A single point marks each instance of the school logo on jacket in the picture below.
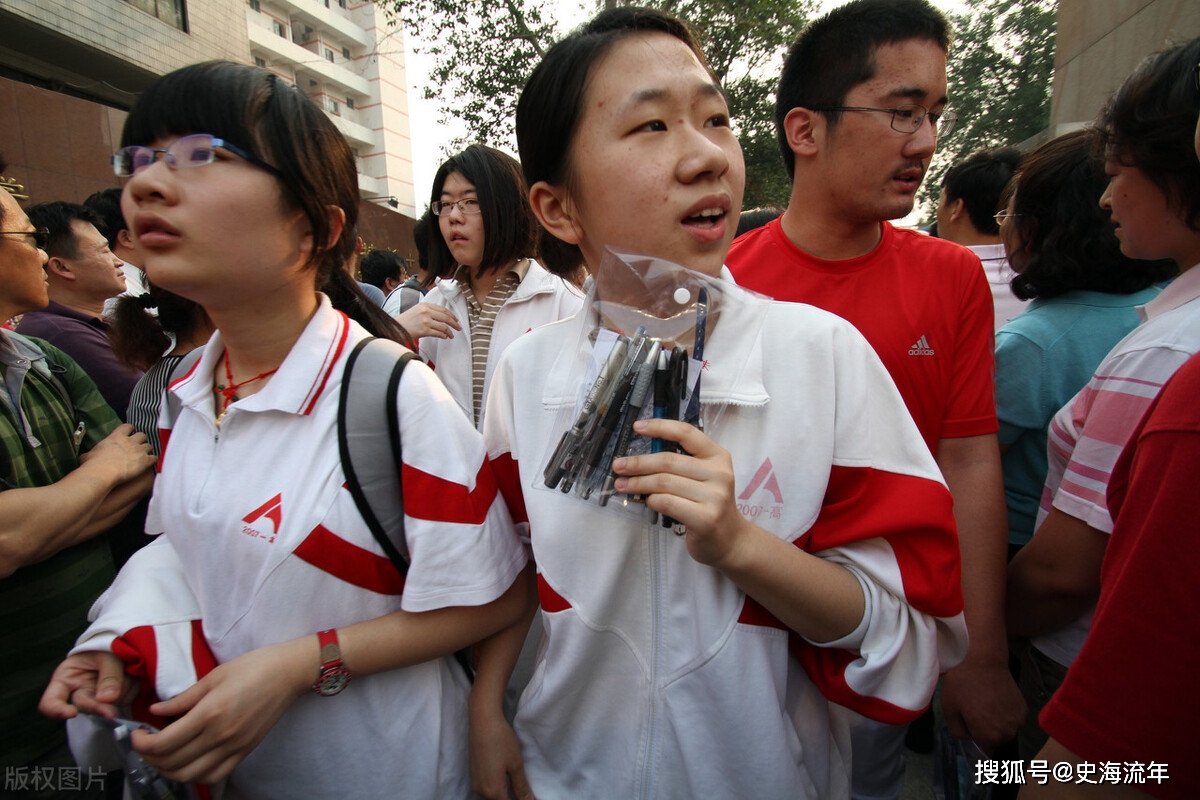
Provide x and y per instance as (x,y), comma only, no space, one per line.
(256,521)
(764,481)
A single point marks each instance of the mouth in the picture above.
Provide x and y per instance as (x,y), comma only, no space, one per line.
(153,232)
(910,177)
(706,219)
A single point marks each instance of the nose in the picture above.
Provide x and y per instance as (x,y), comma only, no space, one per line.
(1106,197)
(702,155)
(924,140)
(149,181)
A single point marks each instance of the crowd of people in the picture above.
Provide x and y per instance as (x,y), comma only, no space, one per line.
(903,463)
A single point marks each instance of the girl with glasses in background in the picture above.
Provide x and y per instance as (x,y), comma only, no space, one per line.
(489,290)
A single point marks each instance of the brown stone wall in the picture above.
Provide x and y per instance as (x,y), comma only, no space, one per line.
(59,147)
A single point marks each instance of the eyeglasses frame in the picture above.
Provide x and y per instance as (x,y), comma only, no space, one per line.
(41,236)
(946,116)
(437,206)
(170,159)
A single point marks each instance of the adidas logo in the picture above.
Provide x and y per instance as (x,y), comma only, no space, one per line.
(921,348)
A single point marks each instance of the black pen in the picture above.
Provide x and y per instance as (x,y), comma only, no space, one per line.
(679,373)
(568,447)
(662,385)
(633,409)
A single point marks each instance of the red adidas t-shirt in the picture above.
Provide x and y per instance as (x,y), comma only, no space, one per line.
(923,304)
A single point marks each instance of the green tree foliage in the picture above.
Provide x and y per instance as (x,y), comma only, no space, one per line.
(482,51)
(1001,62)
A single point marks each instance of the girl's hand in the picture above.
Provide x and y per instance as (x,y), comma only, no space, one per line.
(694,487)
(228,712)
(496,765)
(429,319)
(93,682)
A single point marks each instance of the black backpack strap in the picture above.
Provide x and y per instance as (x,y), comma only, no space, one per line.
(181,369)
(369,441)
(370,448)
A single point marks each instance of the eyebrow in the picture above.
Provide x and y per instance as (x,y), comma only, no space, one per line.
(644,96)
(915,94)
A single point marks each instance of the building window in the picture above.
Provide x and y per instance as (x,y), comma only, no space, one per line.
(277,26)
(259,61)
(342,3)
(333,107)
(328,55)
(349,102)
(172,12)
(346,53)
(255,5)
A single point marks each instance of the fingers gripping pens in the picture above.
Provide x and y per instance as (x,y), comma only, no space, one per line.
(638,377)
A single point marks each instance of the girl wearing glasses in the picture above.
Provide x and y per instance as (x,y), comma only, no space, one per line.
(715,663)
(265,591)
(489,289)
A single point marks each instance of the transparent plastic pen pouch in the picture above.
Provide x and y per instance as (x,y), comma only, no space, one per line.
(655,331)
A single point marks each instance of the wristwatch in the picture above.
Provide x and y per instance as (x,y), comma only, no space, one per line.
(334,674)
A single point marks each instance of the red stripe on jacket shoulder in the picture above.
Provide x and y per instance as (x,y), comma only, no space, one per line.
(916,518)
(436,499)
(330,553)
(508,478)
(827,669)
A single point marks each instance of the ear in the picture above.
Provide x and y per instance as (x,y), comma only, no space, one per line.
(58,268)
(337,223)
(804,129)
(553,208)
(125,238)
(957,209)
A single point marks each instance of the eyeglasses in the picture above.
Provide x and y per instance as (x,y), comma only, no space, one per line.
(40,236)
(468,205)
(907,118)
(193,150)
(1003,215)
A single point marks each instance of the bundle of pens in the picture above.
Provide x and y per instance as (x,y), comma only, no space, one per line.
(639,377)
(647,349)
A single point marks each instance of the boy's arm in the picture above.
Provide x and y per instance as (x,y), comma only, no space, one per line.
(979,697)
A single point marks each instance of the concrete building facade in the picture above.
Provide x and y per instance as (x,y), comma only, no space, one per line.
(69,70)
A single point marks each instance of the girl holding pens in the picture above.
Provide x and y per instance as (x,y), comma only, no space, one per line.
(818,566)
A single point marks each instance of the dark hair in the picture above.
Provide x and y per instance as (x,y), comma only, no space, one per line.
(379,265)
(753,218)
(106,204)
(1150,124)
(509,226)
(978,180)
(1069,238)
(421,232)
(139,338)
(275,122)
(57,216)
(836,52)
(551,104)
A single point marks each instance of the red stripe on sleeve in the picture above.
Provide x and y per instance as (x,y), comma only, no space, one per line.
(436,499)
(164,435)
(330,553)
(202,656)
(827,669)
(138,648)
(914,515)
(508,478)
(754,614)
(550,600)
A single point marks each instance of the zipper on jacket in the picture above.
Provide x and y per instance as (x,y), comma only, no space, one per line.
(648,772)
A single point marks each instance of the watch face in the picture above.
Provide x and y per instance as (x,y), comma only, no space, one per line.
(332,681)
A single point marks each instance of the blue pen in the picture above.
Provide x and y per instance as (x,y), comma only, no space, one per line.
(662,385)
(692,415)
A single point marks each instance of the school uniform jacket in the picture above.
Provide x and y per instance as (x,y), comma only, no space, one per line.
(261,543)
(540,298)
(657,676)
